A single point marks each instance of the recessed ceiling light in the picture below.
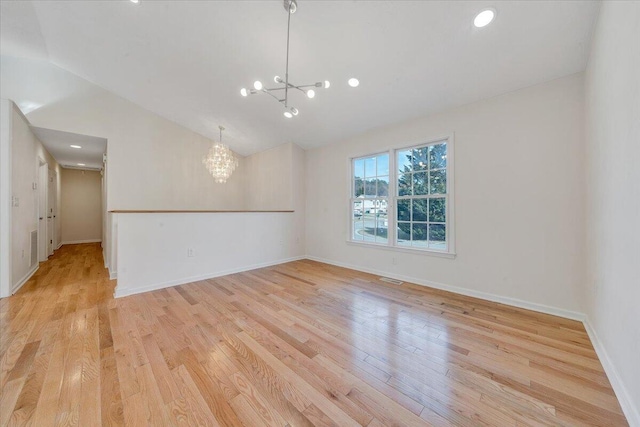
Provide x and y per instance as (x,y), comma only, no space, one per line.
(81,164)
(135,1)
(75,146)
(353,82)
(288,114)
(484,18)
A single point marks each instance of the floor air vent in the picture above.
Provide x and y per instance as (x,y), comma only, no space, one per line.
(34,248)
(390,280)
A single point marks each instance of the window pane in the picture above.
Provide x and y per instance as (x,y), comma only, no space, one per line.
(357,209)
(438,182)
(404,161)
(404,184)
(383,164)
(404,212)
(404,233)
(370,188)
(420,159)
(437,236)
(358,189)
(369,222)
(357,230)
(370,167)
(438,156)
(419,235)
(437,210)
(381,228)
(382,209)
(358,168)
(383,186)
(419,183)
(420,210)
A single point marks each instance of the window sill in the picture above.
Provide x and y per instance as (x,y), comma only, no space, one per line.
(439,254)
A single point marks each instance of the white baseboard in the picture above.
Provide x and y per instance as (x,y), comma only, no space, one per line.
(126,292)
(628,407)
(77,242)
(573,315)
(59,246)
(25,279)
(112,274)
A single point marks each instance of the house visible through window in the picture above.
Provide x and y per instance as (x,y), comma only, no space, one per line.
(409,207)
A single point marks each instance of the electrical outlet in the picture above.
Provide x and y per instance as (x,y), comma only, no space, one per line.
(23,253)
(191,252)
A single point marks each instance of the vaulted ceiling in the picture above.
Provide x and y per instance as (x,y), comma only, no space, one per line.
(187,60)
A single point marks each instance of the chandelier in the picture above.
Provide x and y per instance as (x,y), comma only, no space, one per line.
(284,84)
(220,162)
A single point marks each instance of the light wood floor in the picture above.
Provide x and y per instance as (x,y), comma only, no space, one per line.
(297,344)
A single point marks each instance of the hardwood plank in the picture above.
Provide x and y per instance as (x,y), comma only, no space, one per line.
(256,401)
(190,408)
(111,407)
(209,390)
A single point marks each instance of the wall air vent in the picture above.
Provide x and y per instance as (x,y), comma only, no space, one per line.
(390,280)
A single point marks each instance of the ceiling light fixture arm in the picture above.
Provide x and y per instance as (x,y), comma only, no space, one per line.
(286,72)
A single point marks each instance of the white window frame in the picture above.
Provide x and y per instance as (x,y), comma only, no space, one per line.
(392,199)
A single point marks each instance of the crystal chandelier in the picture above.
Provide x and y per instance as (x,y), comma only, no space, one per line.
(220,162)
(284,84)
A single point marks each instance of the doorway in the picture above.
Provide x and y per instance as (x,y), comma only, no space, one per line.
(51,211)
(43,203)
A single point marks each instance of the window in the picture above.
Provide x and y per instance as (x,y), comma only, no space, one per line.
(411,207)
(370,198)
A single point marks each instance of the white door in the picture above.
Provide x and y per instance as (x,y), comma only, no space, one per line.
(43,189)
(57,230)
(50,200)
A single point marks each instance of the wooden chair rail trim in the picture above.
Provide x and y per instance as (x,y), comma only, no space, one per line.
(195,211)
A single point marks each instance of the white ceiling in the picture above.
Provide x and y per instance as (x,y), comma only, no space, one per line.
(58,144)
(187,60)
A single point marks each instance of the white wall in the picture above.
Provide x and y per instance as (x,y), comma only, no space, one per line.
(81,206)
(5,197)
(152,248)
(519,196)
(26,149)
(268,179)
(299,195)
(612,85)
(275,180)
